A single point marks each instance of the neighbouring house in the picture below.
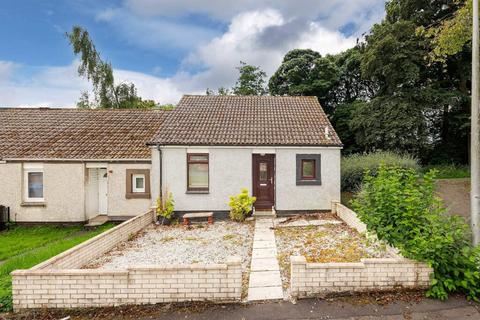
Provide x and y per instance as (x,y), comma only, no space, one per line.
(283,149)
(70,165)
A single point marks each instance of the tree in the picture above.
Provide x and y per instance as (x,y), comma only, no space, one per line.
(222,91)
(304,72)
(450,36)
(107,94)
(251,81)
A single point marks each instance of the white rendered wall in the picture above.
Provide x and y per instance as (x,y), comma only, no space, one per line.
(63,193)
(230,169)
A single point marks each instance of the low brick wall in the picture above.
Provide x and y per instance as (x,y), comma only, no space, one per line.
(59,283)
(307,279)
(136,285)
(83,253)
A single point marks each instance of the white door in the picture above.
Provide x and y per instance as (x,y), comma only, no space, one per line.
(102,191)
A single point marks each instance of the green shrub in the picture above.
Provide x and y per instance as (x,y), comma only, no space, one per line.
(449,171)
(401,207)
(165,206)
(354,166)
(241,205)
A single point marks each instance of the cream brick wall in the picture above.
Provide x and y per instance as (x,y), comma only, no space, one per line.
(136,285)
(369,274)
(59,283)
(83,253)
(308,279)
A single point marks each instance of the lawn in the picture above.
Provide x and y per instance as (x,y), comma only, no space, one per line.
(24,247)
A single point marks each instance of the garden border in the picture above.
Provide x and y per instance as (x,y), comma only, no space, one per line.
(308,279)
(60,283)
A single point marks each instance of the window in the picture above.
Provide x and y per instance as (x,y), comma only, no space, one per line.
(137,184)
(308,169)
(197,172)
(33,182)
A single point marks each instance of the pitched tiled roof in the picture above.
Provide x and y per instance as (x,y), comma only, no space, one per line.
(77,133)
(247,120)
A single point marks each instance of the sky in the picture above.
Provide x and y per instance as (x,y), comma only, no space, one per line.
(165,47)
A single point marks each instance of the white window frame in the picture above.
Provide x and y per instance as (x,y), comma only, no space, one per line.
(134,183)
(33,168)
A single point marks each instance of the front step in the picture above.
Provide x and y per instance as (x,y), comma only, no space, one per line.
(264,213)
(97,221)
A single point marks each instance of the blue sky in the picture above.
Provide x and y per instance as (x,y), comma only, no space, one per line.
(165,47)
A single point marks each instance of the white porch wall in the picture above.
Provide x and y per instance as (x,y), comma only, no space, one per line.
(230,169)
(118,204)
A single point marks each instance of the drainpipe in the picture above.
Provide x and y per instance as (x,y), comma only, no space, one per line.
(160,167)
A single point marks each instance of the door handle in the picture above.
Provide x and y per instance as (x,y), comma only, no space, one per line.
(271,180)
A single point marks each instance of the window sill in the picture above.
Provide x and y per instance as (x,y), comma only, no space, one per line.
(33,204)
(309,183)
(197,192)
(137,196)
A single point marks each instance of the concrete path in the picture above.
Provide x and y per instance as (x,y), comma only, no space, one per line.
(265,282)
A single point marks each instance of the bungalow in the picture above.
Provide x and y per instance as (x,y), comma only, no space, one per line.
(283,149)
(70,165)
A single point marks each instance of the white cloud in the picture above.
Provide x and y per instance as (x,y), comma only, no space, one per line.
(259,37)
(333,13)
(6,69)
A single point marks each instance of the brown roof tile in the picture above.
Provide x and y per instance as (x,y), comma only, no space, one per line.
(39,133)
(247,120)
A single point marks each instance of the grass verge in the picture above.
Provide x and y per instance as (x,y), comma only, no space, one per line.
(38,254)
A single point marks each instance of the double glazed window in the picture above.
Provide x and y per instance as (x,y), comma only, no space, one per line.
(197,172)
(33,183)
(308,169)
(137,184)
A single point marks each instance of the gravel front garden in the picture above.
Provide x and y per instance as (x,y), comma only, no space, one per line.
(322,238)
(201,243)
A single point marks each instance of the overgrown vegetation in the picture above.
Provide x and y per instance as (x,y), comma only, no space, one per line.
(401,207)
(449,171)
(354,166)
(241,205)
(165,206)
(40,244)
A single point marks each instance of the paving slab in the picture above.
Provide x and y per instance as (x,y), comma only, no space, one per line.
(265,282)
(263,236)
(265,279)
(264,253)
(263,244)
(264,264)
(265,293)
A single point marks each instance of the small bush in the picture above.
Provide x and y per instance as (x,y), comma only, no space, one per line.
(165,206)
(354,166)
(241,205)
(401,207)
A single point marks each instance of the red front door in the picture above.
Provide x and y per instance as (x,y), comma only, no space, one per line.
(264,180)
